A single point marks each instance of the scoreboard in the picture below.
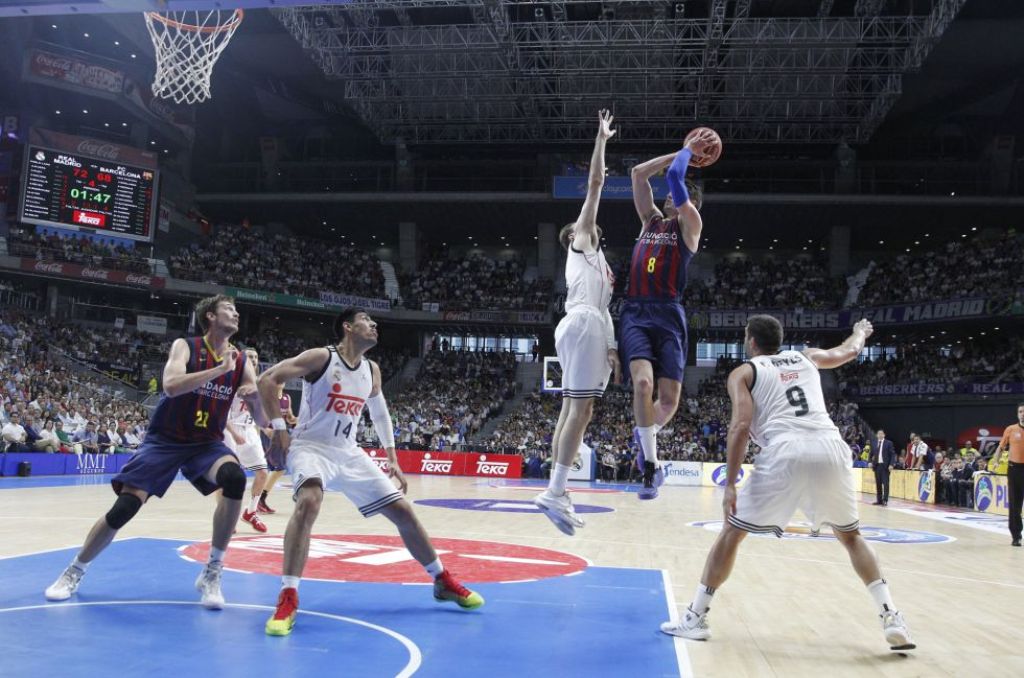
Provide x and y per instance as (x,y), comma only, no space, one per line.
(70,190)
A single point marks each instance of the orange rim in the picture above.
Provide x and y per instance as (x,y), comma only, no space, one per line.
(231,23)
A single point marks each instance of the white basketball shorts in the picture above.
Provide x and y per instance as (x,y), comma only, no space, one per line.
(582,350)
(348,470)
(250,453)
(812,474)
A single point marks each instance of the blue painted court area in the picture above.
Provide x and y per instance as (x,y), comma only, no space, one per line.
(17,483)
(136,613)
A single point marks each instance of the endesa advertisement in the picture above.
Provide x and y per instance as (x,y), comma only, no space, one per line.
(452,463)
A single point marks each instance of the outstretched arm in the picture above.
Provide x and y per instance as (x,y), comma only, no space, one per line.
(840,355)
(585,230)
(384,427)
(643,196)
(269,382)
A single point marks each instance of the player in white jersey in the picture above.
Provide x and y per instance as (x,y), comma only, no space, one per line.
(777,401)
(338,383)
(584,339)
(242,437)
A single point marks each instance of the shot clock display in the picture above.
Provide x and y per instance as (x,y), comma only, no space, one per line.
(69,190)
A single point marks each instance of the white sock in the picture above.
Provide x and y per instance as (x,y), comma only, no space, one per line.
(879,590)
(290,582)
(76,563)
(434,569)
(649,443)
(216,555)
(657,428)
(702,599)
(253,503)
(559,477)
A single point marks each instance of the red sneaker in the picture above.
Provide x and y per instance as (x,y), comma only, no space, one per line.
(448,589)
(253,519)
(284,616)
(262,507)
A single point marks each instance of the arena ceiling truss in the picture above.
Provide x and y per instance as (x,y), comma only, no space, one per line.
(499,71)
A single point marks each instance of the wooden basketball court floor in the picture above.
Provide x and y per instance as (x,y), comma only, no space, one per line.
(793,606)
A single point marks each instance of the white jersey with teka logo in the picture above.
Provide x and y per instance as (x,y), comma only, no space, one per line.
(787,399)
(333,402)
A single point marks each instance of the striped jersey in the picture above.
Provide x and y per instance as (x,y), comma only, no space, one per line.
(199,416)
(333,403)
(660,259)
(787,398)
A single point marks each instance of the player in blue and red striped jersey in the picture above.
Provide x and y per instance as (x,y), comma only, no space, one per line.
(201,378)
(652,327)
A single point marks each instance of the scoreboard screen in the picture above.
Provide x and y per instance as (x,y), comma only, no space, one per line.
(70,190)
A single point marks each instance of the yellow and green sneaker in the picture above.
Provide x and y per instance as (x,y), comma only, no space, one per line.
(448,589)
(284,616)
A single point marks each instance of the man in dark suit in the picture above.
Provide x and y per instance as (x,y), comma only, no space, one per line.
(883,458)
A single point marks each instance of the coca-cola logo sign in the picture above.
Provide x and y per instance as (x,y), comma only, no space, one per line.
(97,273)
(137,279)
(45,267)
(97,149)
(48,60)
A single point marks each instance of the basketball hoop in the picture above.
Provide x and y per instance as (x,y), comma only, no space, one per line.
(187,45)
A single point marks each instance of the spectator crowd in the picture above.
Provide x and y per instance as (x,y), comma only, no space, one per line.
(241,256)
(81,249)
(475,282)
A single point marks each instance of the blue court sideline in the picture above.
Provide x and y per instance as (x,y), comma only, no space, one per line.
(137,613)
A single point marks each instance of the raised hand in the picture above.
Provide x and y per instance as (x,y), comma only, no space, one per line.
(701,143)
(864,327)
(604,125)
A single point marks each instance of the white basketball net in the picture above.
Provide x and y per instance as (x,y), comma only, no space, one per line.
(187,45)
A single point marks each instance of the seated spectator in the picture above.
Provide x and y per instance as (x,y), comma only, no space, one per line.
(15,438)
(88,439)
(48,440)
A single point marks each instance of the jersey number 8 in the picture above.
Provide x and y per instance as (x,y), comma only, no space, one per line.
(651,264)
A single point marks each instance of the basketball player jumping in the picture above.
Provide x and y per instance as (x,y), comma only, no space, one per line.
(243,437)
(584,339)
(201,378)
(652,327)
(777,401)
(338,382)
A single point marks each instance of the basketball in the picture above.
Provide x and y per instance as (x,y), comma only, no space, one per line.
(714,151)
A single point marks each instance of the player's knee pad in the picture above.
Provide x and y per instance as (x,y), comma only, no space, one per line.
(231,479)
(124,509)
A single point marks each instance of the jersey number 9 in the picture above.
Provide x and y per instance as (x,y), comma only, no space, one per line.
(798,399)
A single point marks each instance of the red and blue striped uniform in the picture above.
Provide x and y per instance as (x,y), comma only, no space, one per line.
(199,416)
(660,259)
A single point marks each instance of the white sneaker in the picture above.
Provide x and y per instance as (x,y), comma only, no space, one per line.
(208,583)
(66,584)
(559,510)
(897,634)
(692,626)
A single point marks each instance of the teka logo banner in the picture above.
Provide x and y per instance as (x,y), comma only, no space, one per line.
(491,468)
(382,464)
(436,466)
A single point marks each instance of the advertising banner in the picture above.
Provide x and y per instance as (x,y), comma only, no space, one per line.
(452,463)
(343,300)
(153,324)
(615,188)
(69,270)
(688,473)
(714,475)
(583,464)
(991,494)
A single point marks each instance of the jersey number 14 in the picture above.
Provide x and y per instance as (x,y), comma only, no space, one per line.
(348,429)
